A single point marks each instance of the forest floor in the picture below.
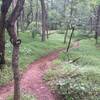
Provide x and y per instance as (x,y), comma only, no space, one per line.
(32,81)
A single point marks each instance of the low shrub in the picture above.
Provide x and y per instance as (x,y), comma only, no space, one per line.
(74,89)
(24,96)
(68,81)
(35,32)
(61,32)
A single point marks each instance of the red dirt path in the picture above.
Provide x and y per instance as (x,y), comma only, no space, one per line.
(31,80)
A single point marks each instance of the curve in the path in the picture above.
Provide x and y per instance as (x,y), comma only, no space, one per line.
(32,79)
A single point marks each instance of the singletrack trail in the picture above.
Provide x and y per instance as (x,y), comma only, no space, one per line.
(32,79)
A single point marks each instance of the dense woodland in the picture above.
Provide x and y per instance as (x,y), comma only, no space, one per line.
(60,39)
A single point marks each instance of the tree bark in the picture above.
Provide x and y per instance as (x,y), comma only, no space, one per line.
(16,73)
(4,9)
(65,37)
(2,40)
(43,20)
(70,39)
(67,24)
(97,24)
(16,44)
(46,18)
(37,11)
(14,5)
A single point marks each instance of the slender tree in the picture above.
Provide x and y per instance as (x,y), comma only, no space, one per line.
(68,24)
(97,24)
(70,40)
(37,11)
(43,20)
(46,18)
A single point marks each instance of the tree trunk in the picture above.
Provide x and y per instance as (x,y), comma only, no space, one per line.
(46,18)
(70,19)
(70,39)
(16,73)
(2,40)
(43,20)
(97,24)
(22,20)
(37,10)
(65,37)
(16,44)
(13,6)
(4,9)
(91,25)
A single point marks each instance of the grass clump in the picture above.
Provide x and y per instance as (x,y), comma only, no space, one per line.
(24,96)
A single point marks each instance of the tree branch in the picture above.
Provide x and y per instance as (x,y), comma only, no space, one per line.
(11,22)
(5,6)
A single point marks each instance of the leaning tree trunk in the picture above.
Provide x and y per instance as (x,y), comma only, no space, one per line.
(66,33)
(16,44)
(70,39)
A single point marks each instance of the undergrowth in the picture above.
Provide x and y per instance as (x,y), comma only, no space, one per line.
(30,50)
(24,96)
(79,80)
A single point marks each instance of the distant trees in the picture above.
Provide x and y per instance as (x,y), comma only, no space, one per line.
(29,16)
(94,22)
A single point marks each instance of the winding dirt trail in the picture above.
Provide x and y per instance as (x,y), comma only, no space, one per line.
(31,80)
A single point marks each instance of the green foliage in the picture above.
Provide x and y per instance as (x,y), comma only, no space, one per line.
(86,57)
(30,50)
(72,83)
(24,96)
(32,26)
(56,62)
(5,75)
(74,89)
(35,32)
(61,32)
(95,2)
(80,80)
